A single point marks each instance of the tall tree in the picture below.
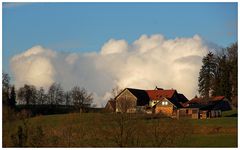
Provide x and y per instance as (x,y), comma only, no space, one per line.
(55,94)
(232,53)
(222,83)
(81,98)
(206,75)
(5,88)
(12,98)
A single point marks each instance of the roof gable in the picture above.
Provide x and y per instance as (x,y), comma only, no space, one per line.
(140,95)
(164,99)
(125,90)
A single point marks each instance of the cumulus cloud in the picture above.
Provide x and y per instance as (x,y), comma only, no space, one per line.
(34,66)
(114,47)
(147,62)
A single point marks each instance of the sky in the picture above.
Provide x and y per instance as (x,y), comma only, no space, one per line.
(86,26)
(86,30)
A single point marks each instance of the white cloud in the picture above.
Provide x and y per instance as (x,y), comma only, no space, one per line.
(34,66)
(148,62)
(114,47)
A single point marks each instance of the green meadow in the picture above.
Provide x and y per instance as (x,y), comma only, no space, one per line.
(116,130)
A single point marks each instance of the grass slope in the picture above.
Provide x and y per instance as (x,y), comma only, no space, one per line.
(101,130)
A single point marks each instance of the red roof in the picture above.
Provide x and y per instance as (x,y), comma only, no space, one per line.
(195,100)
(156,94)
(217,98)
(201,100)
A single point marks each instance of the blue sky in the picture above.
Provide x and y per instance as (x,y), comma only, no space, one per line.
(85,27)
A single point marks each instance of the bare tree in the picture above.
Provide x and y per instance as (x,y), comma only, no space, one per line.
(67,97)
(41,96)
(27,94)
(115,92)
(55,94)
(81,98)
(125,133)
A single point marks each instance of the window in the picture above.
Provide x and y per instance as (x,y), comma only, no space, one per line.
(165,103)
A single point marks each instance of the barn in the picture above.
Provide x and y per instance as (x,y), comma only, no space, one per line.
(129,99)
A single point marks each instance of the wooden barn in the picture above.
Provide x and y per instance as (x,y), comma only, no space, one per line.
(129,99)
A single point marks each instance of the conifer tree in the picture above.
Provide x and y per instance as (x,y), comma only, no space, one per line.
(206,75)
(12,98)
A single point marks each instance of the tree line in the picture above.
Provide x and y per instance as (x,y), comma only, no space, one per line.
(28,95)
(218,74)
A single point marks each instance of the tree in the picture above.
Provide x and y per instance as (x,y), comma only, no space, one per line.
(115,92)
(27,94)
(5,80)
(5,88)
(222,83)
(218,75)
(41,96)
(67,96)
(12,98)
(55,94)
(206,75)
(232,53)
(81,98)
(125,131)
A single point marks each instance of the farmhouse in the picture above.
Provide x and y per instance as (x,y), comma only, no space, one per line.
(167,102)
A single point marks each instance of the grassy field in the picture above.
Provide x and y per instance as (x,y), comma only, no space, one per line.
(112,130)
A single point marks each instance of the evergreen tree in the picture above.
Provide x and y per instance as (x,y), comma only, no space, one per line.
(12,98)
(232,53)
(218,75)
(5,88)
(206,75)
(222,83)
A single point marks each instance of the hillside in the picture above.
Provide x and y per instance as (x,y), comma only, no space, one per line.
(114,130)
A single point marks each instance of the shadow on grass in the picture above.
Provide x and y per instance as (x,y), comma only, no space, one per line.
(232,115)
